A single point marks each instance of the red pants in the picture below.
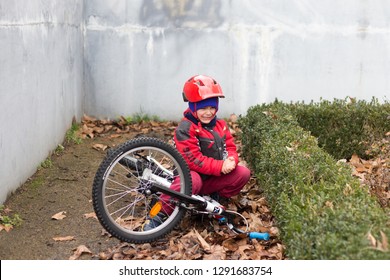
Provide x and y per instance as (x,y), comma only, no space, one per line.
(227,185)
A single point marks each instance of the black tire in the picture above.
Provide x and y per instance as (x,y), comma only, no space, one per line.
(121,199)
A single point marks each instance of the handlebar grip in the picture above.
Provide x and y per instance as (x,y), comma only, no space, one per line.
(259,235)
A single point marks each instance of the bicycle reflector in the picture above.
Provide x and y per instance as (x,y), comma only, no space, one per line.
(155,209)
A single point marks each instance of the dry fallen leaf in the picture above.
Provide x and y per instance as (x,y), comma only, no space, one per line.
(274,231)
(290,149)
(87,118)
(203,242)
(355,160)
(90,215)
(217,253)
(385,243)
(233,118)
(115,136)
(59,216)
(64,238)
(87,131)
(372,239)
(242,251)
(7,228)
(100,147)
(79,251)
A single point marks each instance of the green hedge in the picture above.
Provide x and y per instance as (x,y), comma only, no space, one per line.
(321,210)
(344,127)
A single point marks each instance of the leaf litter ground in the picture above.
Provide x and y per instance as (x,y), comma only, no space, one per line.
(59,223)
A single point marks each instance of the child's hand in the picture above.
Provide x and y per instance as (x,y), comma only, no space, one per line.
(228,165)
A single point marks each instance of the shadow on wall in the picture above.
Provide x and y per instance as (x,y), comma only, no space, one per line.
(181,13)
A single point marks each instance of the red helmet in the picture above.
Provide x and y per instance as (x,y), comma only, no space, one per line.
(201,87)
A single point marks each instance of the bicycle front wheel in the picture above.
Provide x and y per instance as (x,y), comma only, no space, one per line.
(123,196)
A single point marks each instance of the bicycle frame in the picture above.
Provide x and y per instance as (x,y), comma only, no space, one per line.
(162,185)
(209,207)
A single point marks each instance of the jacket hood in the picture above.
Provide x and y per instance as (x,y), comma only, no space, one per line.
(188,114)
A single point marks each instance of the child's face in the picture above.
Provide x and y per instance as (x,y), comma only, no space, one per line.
(206,114)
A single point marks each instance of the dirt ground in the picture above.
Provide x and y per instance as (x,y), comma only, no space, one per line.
(65,186)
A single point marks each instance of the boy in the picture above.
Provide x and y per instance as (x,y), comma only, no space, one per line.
(207,146)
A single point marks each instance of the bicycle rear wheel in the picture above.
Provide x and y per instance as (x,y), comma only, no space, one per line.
(123,196)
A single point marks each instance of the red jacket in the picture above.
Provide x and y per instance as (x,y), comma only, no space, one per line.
(204,147)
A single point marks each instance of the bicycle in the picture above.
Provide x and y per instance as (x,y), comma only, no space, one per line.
(128,185)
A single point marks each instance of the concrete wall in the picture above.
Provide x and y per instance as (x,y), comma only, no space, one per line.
(41,82)
(139,53)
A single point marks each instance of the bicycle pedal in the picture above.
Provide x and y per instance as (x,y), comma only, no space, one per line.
(155,209)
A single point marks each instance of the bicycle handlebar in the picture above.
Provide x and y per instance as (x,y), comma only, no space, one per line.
(259,235)
(251,235)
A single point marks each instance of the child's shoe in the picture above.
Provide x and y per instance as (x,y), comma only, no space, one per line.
(154,222)
(221,199)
